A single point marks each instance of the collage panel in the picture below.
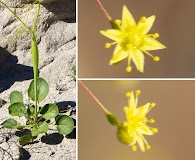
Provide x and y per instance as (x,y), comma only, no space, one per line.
(38,80)
(174,24)
(160,118)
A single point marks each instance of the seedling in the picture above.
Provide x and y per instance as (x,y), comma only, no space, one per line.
(37,117)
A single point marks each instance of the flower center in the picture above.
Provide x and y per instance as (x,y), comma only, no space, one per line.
(134,40)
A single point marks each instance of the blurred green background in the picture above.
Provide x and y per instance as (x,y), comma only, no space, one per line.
(174,22)
(174,115)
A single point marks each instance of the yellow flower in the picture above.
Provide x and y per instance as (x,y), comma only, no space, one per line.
(132,40)
(133,130)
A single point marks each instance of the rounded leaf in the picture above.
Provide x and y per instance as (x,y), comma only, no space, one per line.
(42,127)
(49,111)
(17,109)
(10,123)
(65,124)
(26,139)
(15,97)
(42,89)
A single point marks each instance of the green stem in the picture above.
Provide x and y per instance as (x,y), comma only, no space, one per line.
(15,15)
(35,60)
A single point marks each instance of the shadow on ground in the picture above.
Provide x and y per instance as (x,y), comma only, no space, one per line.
(65,106)
(25,155)
(64,10)
(10,71)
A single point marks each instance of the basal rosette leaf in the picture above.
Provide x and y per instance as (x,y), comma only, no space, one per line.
(26,139)
(65,124)
(17,109)
(42,127)
(10,123)
(15,97)
(49,111)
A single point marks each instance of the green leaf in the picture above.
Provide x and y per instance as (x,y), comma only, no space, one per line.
(15,97)
(65,124)
(42,89)
(49,111)
(17,109)
(10,123)
(31,111)
(42,127)
(26,139)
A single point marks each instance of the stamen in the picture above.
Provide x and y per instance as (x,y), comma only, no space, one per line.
(156,58)
(155,36)
(148,147)
(138,92)
(155,130)
(149,54)
(134,148)
(108,45)
(128,69)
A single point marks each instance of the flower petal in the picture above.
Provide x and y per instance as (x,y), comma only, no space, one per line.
(140,141)
(138,59)
(144,27)
(144,129)
(127,18)
(151,44)
(143,110)
(132,101)
(118,55)
(113,34)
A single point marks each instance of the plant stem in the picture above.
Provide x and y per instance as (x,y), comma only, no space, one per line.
(92,95)
(35,60)
(15,15)
(103,10)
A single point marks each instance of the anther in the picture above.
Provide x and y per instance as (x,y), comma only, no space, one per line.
(155,36)
(152,104)
(138,92)
(107,45)
(128,94)
(128,69)
(143,19)
(134,148)
(156,58)
(148,147)
(151,120)
(154,130)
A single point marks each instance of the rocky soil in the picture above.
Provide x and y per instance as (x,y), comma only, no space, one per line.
(56,34)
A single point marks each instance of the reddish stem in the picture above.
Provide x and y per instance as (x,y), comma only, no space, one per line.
(92,95)
(103,10)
